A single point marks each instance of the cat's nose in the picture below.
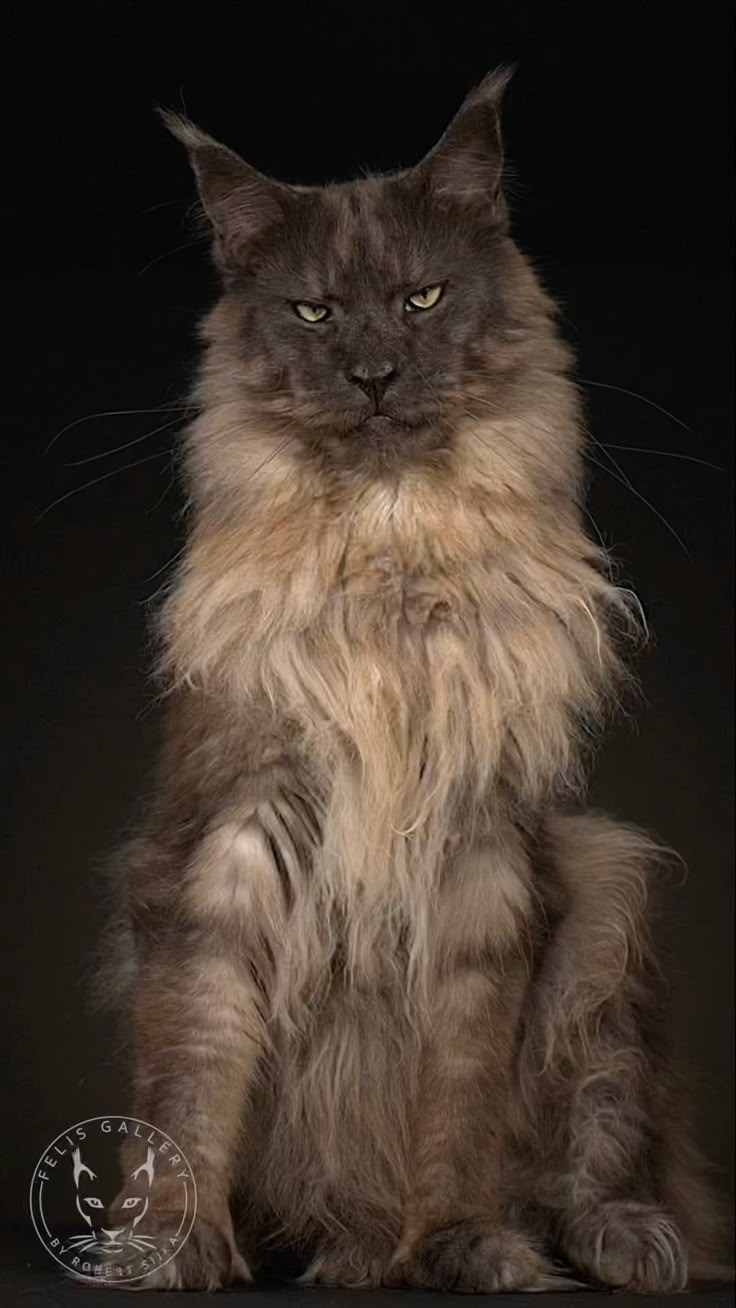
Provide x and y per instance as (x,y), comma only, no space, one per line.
(372,378)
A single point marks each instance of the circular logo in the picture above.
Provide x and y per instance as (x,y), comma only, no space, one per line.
(91,1199)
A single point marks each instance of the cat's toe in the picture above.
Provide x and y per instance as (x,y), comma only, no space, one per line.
(477,1257)
(629,1245)
(347,1262)
(206,1261)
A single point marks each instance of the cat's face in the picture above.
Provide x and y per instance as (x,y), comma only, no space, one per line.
(360,315)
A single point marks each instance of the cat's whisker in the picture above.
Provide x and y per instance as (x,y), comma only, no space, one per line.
(664,454)
(169,486)
(476,432)
(624,481)
(623,390)
(290,439)
(187,245)
(619,475)
(164,568)
(606,548)
(104,454)
(503,434)
(77,490)
(117,413)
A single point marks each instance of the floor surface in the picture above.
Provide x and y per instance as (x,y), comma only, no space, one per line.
(29,1279)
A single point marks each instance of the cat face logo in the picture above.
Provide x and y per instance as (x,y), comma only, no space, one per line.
(92,1199)
(93,1208)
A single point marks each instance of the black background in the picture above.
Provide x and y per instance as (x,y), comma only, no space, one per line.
(618,129)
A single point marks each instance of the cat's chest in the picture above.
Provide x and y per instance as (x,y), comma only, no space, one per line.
(391,651)
(383,591)
(399,564)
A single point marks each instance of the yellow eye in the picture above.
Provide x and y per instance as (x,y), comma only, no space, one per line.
(311,312)
(426,298)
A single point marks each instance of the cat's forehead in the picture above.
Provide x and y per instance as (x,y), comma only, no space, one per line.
(369,219)
(373,231)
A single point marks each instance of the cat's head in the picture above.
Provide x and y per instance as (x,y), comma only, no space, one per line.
(365,321)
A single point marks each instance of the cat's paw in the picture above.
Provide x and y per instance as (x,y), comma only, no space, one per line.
(628,1245)
(349,1263)
(208,1260)
(476,1257)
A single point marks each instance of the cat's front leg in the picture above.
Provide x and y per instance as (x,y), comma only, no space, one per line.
(454,1235)
(199,1014)
(198,1036)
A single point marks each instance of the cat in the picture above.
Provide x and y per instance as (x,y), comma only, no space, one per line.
(391,991)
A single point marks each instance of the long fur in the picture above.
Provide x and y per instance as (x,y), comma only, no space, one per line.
(402,1007)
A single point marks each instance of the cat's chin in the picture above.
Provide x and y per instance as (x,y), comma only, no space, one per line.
(377,442)
(385,428)
(383,425)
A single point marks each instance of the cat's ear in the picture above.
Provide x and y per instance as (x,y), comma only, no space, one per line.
(239,202)
(466,164)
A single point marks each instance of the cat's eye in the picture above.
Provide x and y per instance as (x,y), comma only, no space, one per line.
(94,1203)
(132,1202)
(426,298)
(311,312)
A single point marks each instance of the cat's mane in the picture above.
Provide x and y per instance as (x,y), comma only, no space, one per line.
(436,638)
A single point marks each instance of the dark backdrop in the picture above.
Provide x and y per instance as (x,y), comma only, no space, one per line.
(618,130)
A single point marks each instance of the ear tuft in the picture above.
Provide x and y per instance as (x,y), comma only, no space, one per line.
(492,88)
(185,131)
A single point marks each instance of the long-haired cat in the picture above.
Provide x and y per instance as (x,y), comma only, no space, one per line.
(397,1006)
